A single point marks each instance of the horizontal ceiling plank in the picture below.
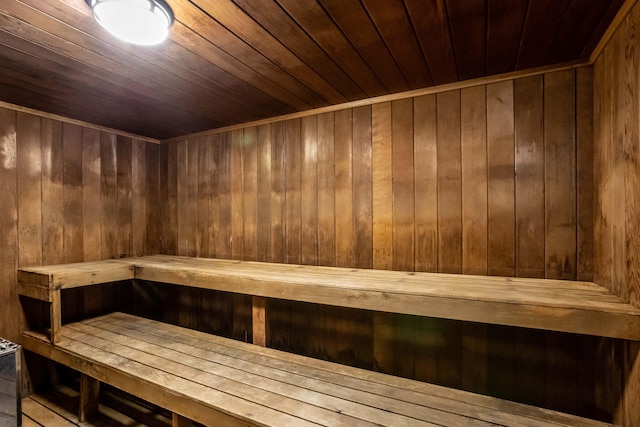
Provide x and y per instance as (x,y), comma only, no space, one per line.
(321,28)
(431,23)
(217,40)
(504,32)
(468,21)
(355,23)
(391,20)
(540,27)
(243,26)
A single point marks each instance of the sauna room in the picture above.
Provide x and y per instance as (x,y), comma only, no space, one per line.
(319,213)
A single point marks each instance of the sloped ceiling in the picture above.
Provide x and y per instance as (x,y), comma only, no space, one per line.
(229,62)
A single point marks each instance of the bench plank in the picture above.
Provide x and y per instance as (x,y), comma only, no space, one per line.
(559,305)
(170,365)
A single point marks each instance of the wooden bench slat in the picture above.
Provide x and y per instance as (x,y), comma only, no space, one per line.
(219,375)
(465,403)
(299,385)
(255,382)
(566,306)
(169,391)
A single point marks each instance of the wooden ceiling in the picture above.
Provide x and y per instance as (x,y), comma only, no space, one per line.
(233,61)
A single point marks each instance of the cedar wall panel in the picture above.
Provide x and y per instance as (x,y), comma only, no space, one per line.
(70,193)
(616,159)
(492,179)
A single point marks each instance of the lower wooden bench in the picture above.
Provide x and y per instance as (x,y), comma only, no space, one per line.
(221,382)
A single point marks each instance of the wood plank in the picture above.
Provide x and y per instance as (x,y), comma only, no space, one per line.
(500,155)
(263,238)
(29,170)
(469,35)
(204,235)
(293,196)
(224,233)
(505,21)
(395,28)
(52,184)
(449,183)
(403,185)
(109,195)
(89,395)
(326,190)
(529,185)
(170,186)
(382,186)
(72,193)
(473,136)
(560,175)
(278,193)
(138,193)
(585,171)
(250,193)
(180,421)
(309,191)
(154,175)
(343,155)
(426,182)
(362,188)
(237,194)
(91,203)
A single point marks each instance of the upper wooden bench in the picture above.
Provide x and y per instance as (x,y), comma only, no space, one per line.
(558,305)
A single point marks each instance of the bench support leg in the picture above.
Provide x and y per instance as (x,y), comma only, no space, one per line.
(259,321)
(89,392)
(180,421)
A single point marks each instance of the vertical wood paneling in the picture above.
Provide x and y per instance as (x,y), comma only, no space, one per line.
(382,187)
(155,202)
(309,190)
(223,167)
(91,204)
(170,218)
(250,193)
(293,175)
(108,194)
(263,238)
(52,220)
(124,147)
(425,152)
(205,224)
(585,171)
(615,180)
(278,187)
(474,180)
(403,185)
(560,174)
(344,187)
(138,191)
(362,188)
(72,193)
(449,183)
(29,161)
(182,209)
(530,201)
(10,323)
(237,195)
(501,201)
(59,203)
(326,190)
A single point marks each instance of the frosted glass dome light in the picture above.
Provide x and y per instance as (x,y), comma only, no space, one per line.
(141,22)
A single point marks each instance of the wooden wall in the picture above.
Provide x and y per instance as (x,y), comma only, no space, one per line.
(491,179)
(70,193)
(617,193)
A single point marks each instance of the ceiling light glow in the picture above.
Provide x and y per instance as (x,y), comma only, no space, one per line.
(141,22)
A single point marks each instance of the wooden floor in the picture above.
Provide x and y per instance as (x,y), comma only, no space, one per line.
(58,408)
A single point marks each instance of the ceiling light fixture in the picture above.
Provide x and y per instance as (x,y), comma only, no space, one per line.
(142,22)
